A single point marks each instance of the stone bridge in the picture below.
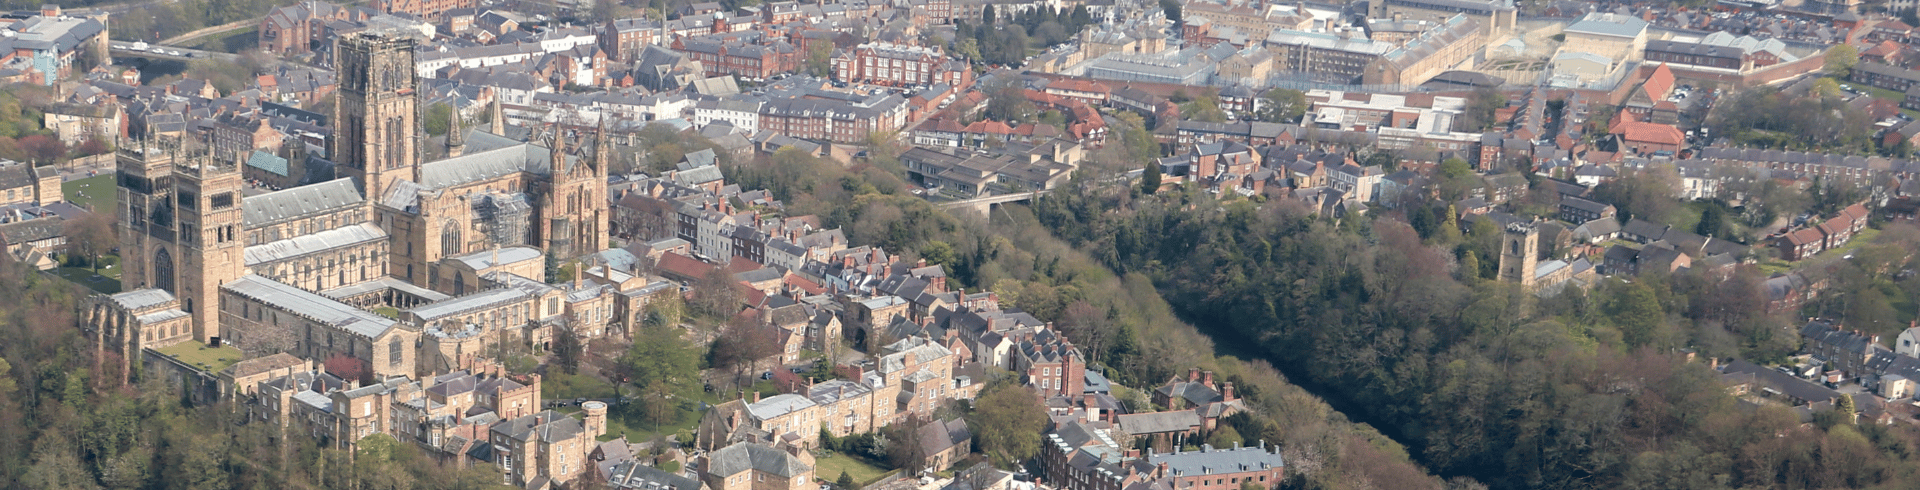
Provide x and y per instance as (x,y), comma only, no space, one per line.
(983,205)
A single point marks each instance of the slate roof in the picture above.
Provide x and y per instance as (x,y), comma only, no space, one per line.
(547,426)
(738,458)
(138,299)
(341,237)
(1157,422)
(1209,460)
(300,201)
(488,258)
(312,306)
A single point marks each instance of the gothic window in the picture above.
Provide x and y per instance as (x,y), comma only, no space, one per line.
(450,239)
(1516,247)
(163,270)
(394,352)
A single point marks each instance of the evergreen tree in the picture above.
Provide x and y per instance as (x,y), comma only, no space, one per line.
(1845,407)
(1712,222)
(845,482)
(1150,179)
(986,15)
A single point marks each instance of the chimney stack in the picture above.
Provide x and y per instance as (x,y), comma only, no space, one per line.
(756,397)
(1206,378)
(1193,374)
(1226,392)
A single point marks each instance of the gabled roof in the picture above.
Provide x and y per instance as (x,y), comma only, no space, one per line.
(300,201)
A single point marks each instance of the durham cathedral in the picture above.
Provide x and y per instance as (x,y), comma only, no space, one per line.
(400,266)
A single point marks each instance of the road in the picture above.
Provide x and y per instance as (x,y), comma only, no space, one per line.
(169,52)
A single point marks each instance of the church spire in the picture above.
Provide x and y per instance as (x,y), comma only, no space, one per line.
(456,135)
(499,115)
(603,147)
(559,153)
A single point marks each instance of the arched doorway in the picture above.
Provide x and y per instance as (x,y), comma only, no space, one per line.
(163,271)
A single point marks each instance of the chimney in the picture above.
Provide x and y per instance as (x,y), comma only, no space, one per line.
(1193,375)
(756,397)
(1206,378)
(1226,392)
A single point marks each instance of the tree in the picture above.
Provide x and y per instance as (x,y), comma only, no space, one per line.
(1007,102)
(845,482)
(1826,87)
(716,294)
(1482,104)
(567,350)
(661,358)
(1172,9)
(1840,60)
(743,343)
(1008,421)
(90,236)
(987,16)
(1150,178)
(42,149)
(1713,222)
(1224,437)
(1281,105)
(1203,109)
(903,445)
(1845,407)
(819,59)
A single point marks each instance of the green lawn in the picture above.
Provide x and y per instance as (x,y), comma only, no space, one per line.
(864,472)
(107,281)
(387,311)
(562,386)
(211,359)
(92,192)
(1865,236)
(629,420)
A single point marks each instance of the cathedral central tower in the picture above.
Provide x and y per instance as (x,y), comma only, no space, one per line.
(377,113)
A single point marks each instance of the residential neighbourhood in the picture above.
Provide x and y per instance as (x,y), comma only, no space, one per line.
(725,245)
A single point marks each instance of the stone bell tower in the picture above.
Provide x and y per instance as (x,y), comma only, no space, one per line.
(1520,252)
(377,113)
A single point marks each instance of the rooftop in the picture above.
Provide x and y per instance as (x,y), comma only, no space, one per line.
(198,355)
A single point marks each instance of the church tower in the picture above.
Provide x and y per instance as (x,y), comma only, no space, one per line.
(208,219)
(377,113)
(143,213)
(574,204)
(179,218)
(1520,252)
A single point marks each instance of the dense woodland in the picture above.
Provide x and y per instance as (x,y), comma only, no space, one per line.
(1586,389)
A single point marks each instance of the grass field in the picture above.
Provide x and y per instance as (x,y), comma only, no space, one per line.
(91,192)
(107,282)
(556,385)
(211,359)
(829,467)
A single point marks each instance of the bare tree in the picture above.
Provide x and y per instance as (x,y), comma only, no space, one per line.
(90,236)
(743,344)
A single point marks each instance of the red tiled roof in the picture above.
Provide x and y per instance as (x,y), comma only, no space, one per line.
(804,284)
(1649,132)
(1659,83)
(1883,49)
(1804,236)
(1079,86)
(682,265)
(740,264)
(1855,211)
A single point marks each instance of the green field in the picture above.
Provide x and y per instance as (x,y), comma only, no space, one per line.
(108,281)
(865,473)
(211,359)
(92,192)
